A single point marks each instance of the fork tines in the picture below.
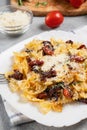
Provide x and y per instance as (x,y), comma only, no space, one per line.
(3,80)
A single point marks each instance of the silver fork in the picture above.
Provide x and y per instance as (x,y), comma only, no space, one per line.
(3,80)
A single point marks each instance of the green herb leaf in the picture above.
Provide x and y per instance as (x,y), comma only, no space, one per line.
(44,3)
(61,84)
(20,2)
(37,4)
(41,3)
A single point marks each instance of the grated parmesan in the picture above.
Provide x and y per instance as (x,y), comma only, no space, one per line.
(50,61)
(17,18)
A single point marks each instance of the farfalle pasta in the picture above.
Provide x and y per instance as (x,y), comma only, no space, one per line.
(50,73)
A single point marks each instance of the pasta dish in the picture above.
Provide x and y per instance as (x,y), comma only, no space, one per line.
(50,74)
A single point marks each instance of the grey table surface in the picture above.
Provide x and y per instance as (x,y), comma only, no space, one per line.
(38,26)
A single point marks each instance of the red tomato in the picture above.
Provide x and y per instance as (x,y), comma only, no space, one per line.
(76,3)
(67,93)
(54,19)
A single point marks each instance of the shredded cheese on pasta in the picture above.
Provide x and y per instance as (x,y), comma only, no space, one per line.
(50,73)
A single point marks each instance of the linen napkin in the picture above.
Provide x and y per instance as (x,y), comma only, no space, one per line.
(17,117)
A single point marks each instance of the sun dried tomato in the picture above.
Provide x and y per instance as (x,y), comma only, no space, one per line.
(28,59)
(46,43)
(77,58)
(50,93)
(42,95)
(47,48)
(81,47)
(48,74)
(36,62)
(67,93)
(16,75)
(83,100)
(69,66)
(69,42)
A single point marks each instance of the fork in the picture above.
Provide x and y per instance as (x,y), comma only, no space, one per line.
(3,80)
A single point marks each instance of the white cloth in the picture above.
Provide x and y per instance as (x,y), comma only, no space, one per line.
(15,116)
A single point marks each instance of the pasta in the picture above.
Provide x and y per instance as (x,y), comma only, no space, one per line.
(50,73)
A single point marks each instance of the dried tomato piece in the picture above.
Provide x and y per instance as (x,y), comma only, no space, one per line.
(47,48)
(50,93)
(47,74)
(42,95)
(17,75)
(28,59)
(69,42)
(77,58)
(53,93)
(83,100)
(46,43)
(67,93)
(81,47)
(69,66)
(36,62)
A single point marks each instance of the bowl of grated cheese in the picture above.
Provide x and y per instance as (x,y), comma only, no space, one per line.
(15,20)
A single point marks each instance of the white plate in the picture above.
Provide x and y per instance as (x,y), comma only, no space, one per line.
(70,115)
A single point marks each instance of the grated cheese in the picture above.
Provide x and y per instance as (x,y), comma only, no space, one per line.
(17,18)
(56,61)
